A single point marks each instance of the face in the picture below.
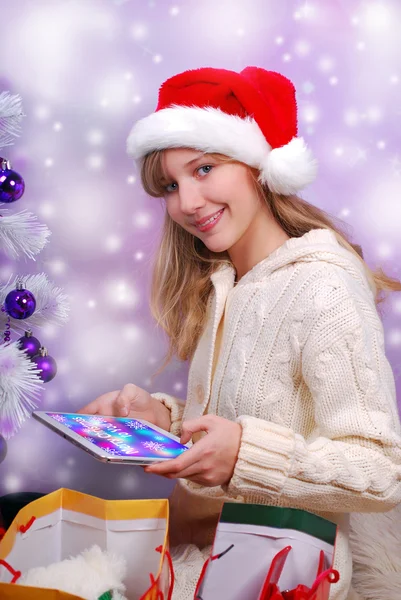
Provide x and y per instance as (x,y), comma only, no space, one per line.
(198,186)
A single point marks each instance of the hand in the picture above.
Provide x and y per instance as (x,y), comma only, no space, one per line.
(211,460)
(132,401)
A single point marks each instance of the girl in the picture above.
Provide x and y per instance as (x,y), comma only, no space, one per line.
(291,399)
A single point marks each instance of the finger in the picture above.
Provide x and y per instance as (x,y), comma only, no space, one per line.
(194,470)
(89,409)
(188,458)
(121,406)
(193,426)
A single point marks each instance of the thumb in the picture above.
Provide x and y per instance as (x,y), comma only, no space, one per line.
(122,406)
(193,426)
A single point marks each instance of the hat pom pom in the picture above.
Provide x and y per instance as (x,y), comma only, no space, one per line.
(289,168)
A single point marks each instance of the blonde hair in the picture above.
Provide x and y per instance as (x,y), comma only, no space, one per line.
(181,284)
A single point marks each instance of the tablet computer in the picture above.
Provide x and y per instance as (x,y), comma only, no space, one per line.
(114,439)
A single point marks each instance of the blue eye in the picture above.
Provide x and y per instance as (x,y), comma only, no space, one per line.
(202,167)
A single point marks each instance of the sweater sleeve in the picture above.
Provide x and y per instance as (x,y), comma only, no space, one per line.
(351,462)
(176,408)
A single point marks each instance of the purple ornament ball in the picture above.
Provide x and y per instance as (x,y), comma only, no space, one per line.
(3,448)
(12,186)
(47,365)
(30,344)
(20,304)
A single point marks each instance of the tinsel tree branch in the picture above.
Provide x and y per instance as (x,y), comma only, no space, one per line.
(20,388)
(20,232)
(52,304)
(11,114)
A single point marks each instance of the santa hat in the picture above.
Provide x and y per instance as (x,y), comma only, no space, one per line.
(250,116)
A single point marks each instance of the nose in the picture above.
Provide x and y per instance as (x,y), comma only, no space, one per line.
(190,198)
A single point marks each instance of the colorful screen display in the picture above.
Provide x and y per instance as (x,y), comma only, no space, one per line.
(121,436)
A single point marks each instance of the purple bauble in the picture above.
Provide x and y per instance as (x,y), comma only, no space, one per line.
(30,344)
(20,304)
(12,185)
(3,448)
(48,366)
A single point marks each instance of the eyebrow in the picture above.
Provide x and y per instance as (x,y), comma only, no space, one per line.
(164,180)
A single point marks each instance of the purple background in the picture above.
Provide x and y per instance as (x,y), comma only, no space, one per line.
(86,71)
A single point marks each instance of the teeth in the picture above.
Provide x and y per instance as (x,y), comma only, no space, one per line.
(210,220)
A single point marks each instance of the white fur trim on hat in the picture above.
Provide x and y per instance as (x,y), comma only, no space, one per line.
(285,170)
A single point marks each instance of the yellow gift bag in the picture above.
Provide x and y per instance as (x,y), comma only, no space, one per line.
(65,523)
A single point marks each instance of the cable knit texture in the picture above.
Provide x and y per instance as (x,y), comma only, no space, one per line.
(295,354)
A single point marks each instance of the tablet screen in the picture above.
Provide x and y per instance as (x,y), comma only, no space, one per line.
(121,436)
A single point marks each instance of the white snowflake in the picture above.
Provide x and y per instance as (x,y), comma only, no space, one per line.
(96,421)
(135,425)
(159,438)
(113,451)
(153,446)
(59,418)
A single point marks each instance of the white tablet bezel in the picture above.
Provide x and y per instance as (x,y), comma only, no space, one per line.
(93,450)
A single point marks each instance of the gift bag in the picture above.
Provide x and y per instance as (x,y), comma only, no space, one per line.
(65,522)
(269,553)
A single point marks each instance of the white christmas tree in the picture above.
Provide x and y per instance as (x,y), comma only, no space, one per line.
(24,363)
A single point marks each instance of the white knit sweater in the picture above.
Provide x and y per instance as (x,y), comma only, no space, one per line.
(302,368)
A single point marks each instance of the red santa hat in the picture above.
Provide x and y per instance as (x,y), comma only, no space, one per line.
(250,116)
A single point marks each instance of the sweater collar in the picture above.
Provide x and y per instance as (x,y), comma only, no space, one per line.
(315,245)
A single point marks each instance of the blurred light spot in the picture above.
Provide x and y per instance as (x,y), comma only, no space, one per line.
(157,58)
(279,40)
(42,112)
(128,76)
(95,161)
(333,80)
(286,57)
(139,32)
(174,11)
(361,46)
(384,250)
(63,366)
(49,331)
(131,333)
(91,304)
(120,293)
(394,79)
(397,306)
(139,256)
(49,162)
(240,32)
(308,87)
(381,144)
(326,64)
(310,113)
(344,212)
(95,137)
(339,151)
(377,17)
(351,117)
(12,483)
(113,243)
(46,209)
(302,48)
(374,114)
(178,386)
(131,179)
(58,126)
(394,337)
(142,220)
